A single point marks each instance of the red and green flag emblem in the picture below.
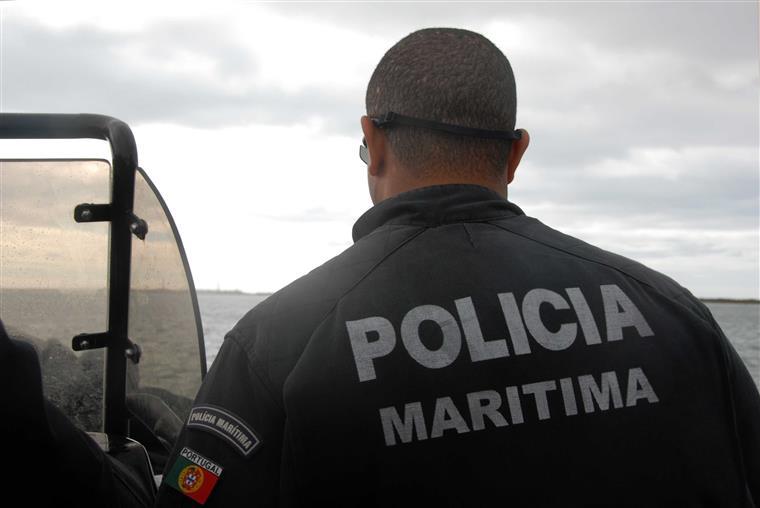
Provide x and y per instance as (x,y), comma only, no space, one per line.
(193,475)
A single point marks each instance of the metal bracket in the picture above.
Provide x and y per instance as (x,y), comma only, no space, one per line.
(133,351)
(89,212)
(87,341)
(138,226)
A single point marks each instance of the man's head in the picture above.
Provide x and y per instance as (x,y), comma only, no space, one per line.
(445,75)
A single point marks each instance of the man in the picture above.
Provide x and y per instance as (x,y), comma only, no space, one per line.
(461,353)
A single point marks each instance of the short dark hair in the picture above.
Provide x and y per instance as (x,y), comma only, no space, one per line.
(448,75)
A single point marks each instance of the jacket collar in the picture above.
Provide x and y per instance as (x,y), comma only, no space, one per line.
(436,205)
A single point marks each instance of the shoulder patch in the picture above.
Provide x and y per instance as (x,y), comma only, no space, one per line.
(193,475)
(226,425)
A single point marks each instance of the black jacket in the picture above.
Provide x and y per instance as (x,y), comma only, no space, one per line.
(463,354)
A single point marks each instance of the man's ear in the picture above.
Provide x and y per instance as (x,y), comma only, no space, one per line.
(516,152)
(375,146)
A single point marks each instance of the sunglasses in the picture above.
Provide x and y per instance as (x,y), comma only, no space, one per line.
(391,119)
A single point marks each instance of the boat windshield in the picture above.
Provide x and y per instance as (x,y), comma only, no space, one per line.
(54,286)
(54,275)
(162,310)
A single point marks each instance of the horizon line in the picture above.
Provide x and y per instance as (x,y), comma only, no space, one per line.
(709,299)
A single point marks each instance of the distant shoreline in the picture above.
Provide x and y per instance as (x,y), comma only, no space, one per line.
(704,300)
(231,292)
(731,300)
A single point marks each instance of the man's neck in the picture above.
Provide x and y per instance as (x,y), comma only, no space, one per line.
(396,186)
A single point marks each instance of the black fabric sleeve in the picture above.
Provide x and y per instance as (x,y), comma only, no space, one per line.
(745,401)
(234,385)
(747,407)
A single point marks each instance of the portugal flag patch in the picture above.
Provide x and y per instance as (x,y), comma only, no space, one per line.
(193,475)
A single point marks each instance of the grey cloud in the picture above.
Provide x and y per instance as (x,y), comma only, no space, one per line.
(82,69)
(678,102)
(703,196)
(699,186)
(703,30)
(90,73)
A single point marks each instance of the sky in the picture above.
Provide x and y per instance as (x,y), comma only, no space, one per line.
(643,119)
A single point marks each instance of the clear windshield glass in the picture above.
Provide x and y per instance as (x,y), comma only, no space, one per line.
(54,275)
(162,318)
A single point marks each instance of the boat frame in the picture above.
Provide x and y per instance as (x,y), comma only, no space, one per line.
(119,212)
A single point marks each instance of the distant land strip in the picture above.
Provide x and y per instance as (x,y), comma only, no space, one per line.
(705,300)
(231,292)
(730,300)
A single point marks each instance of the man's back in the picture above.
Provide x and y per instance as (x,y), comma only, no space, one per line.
(462,353)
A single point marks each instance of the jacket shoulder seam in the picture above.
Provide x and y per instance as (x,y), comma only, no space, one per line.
(351,288)
(250,359)
(621,269)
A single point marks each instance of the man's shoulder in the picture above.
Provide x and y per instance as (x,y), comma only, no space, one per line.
(640,274)
(276,331)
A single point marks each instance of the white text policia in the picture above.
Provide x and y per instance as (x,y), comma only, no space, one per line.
(619,312)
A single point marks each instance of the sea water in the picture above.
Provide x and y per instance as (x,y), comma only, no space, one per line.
(740,322)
